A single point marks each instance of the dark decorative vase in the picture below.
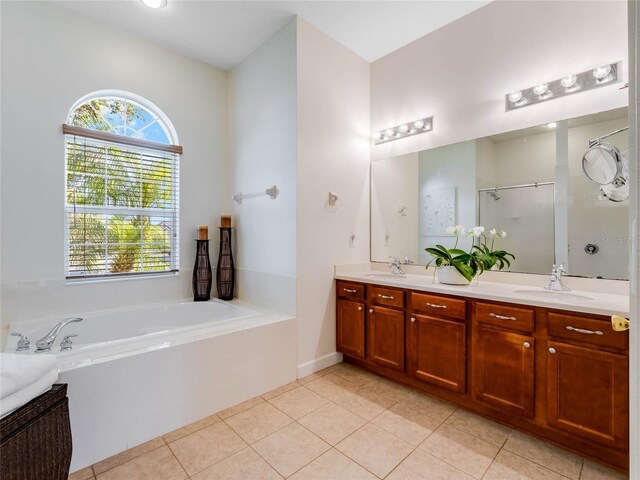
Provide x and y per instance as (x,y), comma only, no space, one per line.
(225,273)
(202,277)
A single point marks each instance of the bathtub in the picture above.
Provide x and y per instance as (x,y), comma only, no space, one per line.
(139,372)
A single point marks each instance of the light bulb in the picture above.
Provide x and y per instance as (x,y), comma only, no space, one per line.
(403,128)
(569,81)
(602,71)
(418,124)
(155,3)
(515,97)
(552,125)
(389,133)
(541,89)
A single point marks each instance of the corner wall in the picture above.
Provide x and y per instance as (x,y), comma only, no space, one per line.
(333,155)
(50,58)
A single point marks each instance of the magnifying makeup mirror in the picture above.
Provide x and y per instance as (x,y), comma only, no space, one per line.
(603,163)
(615,193)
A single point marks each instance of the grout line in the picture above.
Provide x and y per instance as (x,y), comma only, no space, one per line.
(179,462)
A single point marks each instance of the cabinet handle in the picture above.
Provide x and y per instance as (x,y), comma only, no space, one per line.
(502,317)
(435,305)
(552,350)
(359,309)
(350,290)
(583,330)
(413,319)
(526,345)
(371,310)
(386,297)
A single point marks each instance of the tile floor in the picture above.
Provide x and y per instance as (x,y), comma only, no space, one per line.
(345,423)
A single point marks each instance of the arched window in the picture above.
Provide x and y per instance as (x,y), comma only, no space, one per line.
(121,212)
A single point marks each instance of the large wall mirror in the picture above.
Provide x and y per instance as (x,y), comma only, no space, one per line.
(558,190)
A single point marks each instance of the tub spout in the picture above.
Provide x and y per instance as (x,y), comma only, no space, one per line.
(44,344)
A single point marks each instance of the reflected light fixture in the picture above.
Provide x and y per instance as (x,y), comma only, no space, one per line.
(600,76)
(551,125)
(155,3)
(404,130)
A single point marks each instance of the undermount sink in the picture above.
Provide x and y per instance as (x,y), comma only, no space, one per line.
(385,275)
(555,295)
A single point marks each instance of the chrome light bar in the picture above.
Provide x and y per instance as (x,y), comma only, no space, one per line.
(409,129)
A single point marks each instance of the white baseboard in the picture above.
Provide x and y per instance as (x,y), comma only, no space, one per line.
(318,364)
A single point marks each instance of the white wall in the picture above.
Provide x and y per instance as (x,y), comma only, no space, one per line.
(394,184)
(50,58)
(461,72)
(262,153)
(333,155)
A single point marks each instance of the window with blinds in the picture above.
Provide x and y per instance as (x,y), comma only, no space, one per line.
(122,205)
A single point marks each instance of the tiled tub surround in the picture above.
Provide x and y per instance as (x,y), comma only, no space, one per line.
(141,372)
(344,423)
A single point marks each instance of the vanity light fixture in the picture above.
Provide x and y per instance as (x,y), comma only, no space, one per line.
(551,125)
(155,3)
(599,76)
(404,130)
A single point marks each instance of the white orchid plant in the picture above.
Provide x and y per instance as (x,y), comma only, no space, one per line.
(479,258)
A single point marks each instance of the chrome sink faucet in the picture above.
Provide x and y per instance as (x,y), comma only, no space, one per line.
(555,280)
(394,265)
(44,344)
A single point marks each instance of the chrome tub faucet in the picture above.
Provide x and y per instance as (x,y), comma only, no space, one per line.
(44,344)
(555,280)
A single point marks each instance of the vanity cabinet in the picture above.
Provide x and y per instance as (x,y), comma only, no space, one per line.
(558,375)
(588,379)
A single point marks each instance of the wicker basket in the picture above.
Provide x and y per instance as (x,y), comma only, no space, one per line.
(35,440)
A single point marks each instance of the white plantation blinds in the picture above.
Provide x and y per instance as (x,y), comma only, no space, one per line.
(121,213)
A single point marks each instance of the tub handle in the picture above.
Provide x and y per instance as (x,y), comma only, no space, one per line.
(23,343)
(66,342)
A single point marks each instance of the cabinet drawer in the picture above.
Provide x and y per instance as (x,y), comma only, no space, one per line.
(511,318)
(586,330)
(350,290)
(386,296)
(441,306)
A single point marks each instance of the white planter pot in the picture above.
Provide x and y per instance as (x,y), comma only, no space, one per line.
(450,276)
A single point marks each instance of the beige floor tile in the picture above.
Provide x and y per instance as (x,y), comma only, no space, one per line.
(376,450)
(290,449)
(333,465)
(258,422)
(331,368)
(280,390)
(84,474)
(332,423)
(508,466)
(241,407)
(244,465)
(313,376)
(160,464)
(386,388)
(480,427)
(327,388)
(206,447)
(462,450)
(595,471)
(544,454)
(366,405)
(406,423)
(298,402)
(422,466)
(127,455)
(355,375)
(193,427)
(428,405)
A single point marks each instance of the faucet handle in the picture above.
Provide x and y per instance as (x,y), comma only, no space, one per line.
(23,343)
(561,269)
(66,342)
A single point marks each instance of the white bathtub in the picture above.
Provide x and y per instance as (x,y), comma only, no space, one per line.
(136,373)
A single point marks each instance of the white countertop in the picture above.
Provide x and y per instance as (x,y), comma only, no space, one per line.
(596,303)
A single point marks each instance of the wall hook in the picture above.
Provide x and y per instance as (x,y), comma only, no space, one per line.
(333,198)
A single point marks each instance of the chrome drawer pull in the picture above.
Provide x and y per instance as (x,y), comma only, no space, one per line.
(526,345)
(371,310)
(435,305)
(413,319)
(552,350)
(349,290)
(583,330)
(386,297)
(359,309)
(502,317)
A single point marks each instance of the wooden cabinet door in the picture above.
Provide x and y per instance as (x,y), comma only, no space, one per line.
(386,337)
(437,351)
(350,328)
(587,392)
(503,370)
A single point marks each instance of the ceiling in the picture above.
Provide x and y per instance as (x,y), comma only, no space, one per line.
(223,33)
